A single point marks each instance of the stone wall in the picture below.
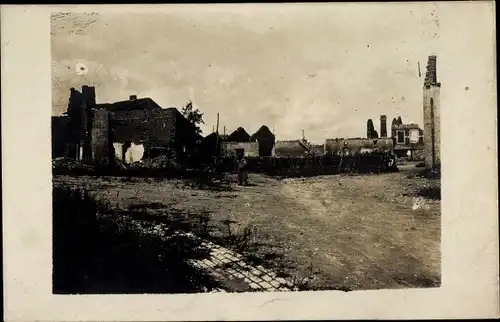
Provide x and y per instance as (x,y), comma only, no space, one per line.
(284,149)
(88,105)
(156,127)
(251,149)
(432,130)
(313,166)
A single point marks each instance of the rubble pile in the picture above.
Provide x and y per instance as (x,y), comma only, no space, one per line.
(160,162)
(430,173)
(70,164)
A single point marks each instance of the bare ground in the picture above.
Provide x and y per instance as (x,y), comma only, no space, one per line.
(333,232)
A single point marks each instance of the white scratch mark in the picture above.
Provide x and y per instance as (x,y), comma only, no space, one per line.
(81,69)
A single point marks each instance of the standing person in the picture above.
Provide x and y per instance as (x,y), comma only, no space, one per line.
(242,170)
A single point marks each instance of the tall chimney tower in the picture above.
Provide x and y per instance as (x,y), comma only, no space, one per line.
(88,104)
(432,113)
(383,126)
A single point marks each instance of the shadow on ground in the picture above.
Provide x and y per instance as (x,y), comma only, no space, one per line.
(433,193)
(99,250)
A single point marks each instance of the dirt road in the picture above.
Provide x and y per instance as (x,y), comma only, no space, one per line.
(343,231)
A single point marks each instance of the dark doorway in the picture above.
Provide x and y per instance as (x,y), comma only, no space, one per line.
(239,152)
(401,137)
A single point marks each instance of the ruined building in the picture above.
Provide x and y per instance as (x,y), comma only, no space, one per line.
(291,148)
(355,146)
(432,113)
(260,143)
(408,141)
(266,140)
(371,133)
(127,131)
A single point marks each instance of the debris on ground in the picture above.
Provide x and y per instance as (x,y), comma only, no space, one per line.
(70,164)
(434,173)
(160,162)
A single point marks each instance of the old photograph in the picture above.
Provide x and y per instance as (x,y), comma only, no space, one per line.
(281,150)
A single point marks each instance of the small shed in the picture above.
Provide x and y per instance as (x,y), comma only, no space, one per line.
(239,135)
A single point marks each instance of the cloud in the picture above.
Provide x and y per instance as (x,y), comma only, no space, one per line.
(324,70)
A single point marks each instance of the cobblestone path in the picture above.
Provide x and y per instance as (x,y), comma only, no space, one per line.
(231,269)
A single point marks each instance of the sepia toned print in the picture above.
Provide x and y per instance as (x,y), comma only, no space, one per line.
(227,152)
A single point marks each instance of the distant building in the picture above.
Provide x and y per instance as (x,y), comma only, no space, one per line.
(355,146)
(291,148)
(432,116)
(317,149)
(408,141)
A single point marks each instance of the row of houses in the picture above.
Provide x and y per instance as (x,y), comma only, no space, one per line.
(138,128)
(407,139)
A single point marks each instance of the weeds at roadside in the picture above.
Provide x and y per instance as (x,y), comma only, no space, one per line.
(99,250)
(433,193)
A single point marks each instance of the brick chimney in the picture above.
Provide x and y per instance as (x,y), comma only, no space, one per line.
(88,93)
(431,75)
(88,103)
(383,126)
(133,97)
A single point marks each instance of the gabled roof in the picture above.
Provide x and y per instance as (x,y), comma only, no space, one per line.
(262,132)
(239,135)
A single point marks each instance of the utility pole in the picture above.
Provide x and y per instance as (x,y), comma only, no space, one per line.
(217,139)
(224,133)
(303,136)
(419,73)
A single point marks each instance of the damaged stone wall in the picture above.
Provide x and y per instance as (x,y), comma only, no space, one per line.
(251,149)
(357,146)
(100,138)
(432,115)
(165,129)
(156,127)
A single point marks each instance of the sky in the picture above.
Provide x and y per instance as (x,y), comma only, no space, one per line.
(322,68)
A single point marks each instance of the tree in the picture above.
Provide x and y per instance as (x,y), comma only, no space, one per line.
(394,123)
(370,130)
(400,121)
(194,116)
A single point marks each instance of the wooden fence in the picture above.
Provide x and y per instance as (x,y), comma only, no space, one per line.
(313,165)
(276,167)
